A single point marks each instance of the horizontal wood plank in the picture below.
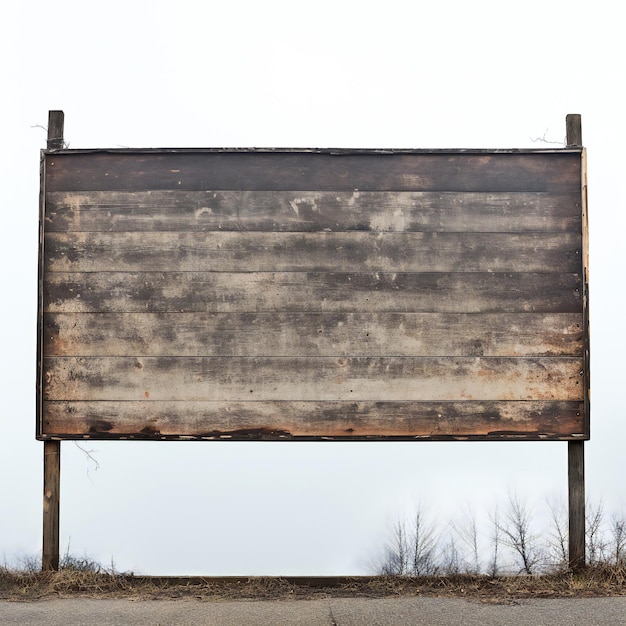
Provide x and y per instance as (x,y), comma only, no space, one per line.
(308,211)
(278,420)
(312,334)
(311,292)
(313,252)
(313,379)
(451,171)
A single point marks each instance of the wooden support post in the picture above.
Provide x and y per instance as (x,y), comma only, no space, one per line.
(576,493)
(51,504)
(574,130)
(56,120)
(576,449)
(52,449)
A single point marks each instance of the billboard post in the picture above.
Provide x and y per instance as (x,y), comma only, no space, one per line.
(576,449)
(51,448)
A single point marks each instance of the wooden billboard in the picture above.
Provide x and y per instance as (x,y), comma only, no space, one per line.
(313,294)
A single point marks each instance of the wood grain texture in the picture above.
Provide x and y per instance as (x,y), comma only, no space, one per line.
(576,502)
(228,292)
(313,379)
(51,505)
(313,211)
(312,252)
(313,334)
(341,420)
(273,171)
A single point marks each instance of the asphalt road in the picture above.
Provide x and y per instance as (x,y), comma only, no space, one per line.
(324,612)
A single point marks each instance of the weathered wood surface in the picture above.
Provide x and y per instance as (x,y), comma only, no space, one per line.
(313,334)
(278,295)
(226,292)
(271,420)
(314,211)
(274,171)
(312,252)
(56,123)
(308,379)
(51,449)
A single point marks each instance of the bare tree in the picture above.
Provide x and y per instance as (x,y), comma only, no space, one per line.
(424,546)
(618,535)
(467,532)
(395,561)
(496,538)
(418,548)
(596,544)
(517,535)
(412,552)
(557,541)
(452,561)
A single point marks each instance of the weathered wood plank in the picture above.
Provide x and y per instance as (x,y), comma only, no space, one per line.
(377,211)
(315,292)
(313,252)
(450,171)
(276,420)
(321,378)
(313,334)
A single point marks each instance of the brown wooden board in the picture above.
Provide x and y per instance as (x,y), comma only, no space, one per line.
(309,294)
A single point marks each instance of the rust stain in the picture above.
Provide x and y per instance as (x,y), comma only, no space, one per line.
(100,426)
(248,433)
(150,430)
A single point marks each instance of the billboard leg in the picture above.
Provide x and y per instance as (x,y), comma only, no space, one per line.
(51,504)
(576,492)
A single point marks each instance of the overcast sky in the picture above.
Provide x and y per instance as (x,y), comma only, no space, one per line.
(429,74)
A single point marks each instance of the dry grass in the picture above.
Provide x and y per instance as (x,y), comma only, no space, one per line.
(94,582)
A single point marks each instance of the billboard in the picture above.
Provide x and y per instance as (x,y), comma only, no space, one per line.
(313,294)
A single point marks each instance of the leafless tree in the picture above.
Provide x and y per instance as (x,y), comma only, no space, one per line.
(557,541)
(395,561)
(618,535)
(424,548)
(596,544)
(518,536)
(496,540)
(418,548)
(412,551)
(467,532)
(452,562)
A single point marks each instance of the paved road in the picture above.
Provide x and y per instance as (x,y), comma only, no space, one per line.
(326,612)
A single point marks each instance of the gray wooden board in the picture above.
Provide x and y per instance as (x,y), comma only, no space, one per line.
(233,292)
(312,252)
(313,378)
(306,294)
(123,170)
(537,419)
(315,211)
(313,334)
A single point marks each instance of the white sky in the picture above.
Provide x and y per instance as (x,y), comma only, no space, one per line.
(421,74)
